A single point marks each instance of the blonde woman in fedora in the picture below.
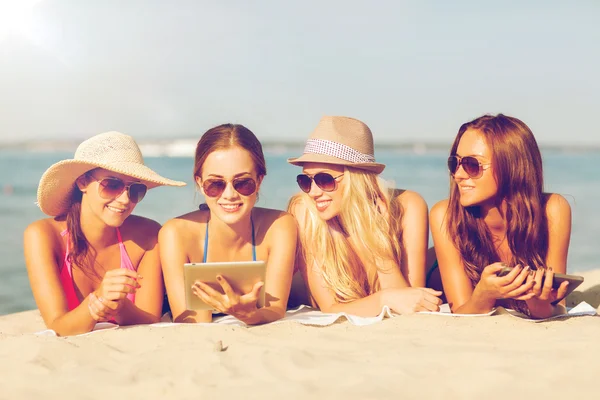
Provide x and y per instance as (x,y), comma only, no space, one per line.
(229,168)
(363,245)
(86,263)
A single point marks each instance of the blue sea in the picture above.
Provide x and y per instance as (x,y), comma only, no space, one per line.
(575,175)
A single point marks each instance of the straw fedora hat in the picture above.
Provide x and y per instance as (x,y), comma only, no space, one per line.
(342,141)
(112,151)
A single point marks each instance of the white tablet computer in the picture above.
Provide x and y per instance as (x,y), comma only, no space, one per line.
(241,275)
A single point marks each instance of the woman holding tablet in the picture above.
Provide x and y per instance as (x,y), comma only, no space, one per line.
(363,244)
(86,264)
(498,215)
(229,168)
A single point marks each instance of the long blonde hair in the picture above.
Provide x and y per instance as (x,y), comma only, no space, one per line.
(325,244)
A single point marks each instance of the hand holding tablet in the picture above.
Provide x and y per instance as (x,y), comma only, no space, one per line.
(221,286)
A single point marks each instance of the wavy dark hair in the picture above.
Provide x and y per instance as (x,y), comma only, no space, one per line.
(517,168)
(81,254)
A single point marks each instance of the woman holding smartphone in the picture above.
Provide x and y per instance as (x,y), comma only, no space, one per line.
(363,245)
(229,168)
(86,264)
(498,215)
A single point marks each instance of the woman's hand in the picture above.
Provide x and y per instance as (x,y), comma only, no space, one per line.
(117,284)
(103,310)
(543,290)
(411,300)
(106,301)
(240,306)
(516,285)
(544,296)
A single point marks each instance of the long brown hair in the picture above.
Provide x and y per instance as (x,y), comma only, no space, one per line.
(517,166)
(80,253)
(224,137)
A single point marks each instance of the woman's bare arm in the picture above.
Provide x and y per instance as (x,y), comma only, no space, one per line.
(282,238)
(457,285)
(41,258)
(415,237)
(558,213)
(173,255)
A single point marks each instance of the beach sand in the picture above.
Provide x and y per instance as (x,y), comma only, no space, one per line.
(412,356)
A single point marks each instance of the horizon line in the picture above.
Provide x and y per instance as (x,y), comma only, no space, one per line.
(419,146)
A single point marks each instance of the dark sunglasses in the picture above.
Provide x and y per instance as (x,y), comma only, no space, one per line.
(111,188)
(472,166)
(216,187)
(326,182)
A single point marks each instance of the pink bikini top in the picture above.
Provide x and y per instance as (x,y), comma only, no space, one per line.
(66,273)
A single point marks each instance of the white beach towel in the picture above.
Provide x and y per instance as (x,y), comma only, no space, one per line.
(309,316)
(100,326)
(579,310)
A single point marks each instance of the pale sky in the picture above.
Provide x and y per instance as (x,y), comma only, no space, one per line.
(411,70)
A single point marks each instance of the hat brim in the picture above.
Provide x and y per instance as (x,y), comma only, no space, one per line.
(323,158)
(57,183)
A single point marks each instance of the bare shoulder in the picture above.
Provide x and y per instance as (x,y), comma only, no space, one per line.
(297,208)
(273,220)
(438,212)
(409,198)
(557,207)
(47,229)
(184,223)
(296,205)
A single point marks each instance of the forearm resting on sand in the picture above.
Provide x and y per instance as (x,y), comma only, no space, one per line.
(130,314)
(540,309)
(477,304)
(74,322)
(262,315)
(369,306)
(259,316)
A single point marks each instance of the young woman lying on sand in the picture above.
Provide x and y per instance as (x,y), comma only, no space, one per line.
(498,215)
(362,245)
(228,170)
(86,264)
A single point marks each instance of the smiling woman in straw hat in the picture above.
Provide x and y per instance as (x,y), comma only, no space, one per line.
(229,169)
(363,245)
(86,264)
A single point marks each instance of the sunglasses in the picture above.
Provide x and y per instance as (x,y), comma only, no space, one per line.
(471,165)
(324,181)
(111,188)
(216,187)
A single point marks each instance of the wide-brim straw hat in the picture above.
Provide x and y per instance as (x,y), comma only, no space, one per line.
(112,151)
(341,141)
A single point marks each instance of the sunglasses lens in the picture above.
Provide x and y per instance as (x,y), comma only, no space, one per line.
(214,188)
(325,181)
(471,166)
(137,191)
(244,186)
(452,164)
(304,182)
(111,188)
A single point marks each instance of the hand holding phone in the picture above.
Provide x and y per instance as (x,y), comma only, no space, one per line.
(573,281)
(514,284)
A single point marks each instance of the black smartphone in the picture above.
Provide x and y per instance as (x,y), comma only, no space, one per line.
(574,280)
